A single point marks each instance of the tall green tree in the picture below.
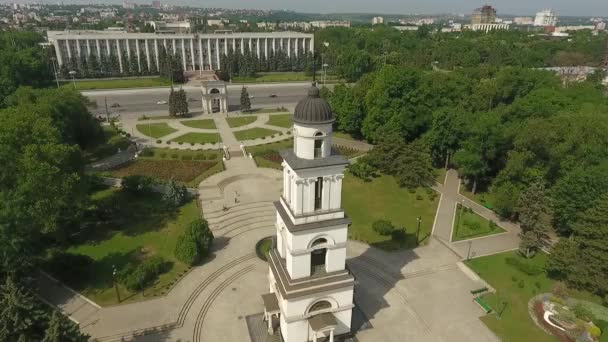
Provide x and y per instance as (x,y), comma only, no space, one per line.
(534,217)
(583,260)
(18,313)
(245,100)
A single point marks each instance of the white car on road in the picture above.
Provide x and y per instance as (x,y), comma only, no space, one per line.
(161,102)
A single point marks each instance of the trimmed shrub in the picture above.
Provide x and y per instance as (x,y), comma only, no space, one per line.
(419,197)
(159,141)
(174,156)
(137,184)
(524,266)
(175,194)
(362,170)
(137,277)
(180,142)
(186,250)
(186,157)
(194,244)
(168,142)
(199,156)
(383,227)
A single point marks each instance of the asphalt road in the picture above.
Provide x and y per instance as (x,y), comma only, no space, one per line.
(137,102)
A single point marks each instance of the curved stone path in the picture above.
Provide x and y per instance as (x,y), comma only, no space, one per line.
(419,295)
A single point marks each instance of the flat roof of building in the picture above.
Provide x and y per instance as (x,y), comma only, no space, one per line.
(90,34)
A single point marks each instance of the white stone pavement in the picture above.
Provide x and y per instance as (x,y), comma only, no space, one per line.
(415,295)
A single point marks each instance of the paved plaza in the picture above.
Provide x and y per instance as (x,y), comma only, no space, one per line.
(416,295)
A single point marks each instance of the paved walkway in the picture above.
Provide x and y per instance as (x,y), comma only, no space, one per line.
(444,223)
(420,294)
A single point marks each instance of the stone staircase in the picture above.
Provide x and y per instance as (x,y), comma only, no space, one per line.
(242,218)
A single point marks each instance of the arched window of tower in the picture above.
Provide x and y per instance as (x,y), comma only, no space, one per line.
(320,305)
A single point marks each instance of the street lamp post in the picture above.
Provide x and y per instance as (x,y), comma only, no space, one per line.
(115,283)
(324,73)
(418,221)
(73,73)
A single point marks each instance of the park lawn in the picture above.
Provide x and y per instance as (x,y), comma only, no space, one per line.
(203,124)
(274,77)
(281,120)
(241,121)
(121,83)
(267,155)
(515,323)
(468,225)
(484,198)
(198,138)
(343,135)
(184,166)
(383,199)
(142,227)
(155,130)
(254,133)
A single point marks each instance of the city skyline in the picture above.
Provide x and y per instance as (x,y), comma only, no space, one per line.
(504,7)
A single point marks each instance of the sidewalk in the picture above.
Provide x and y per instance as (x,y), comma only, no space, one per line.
(476,247)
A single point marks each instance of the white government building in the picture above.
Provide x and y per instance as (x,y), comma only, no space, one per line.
(198,51)
(311,290)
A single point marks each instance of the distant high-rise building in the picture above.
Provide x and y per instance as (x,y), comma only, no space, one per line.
(523,20)
(545,17)
(377,20)
(483,15)
(128,5)
(156,4)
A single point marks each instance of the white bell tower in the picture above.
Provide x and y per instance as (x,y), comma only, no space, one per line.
(311,291)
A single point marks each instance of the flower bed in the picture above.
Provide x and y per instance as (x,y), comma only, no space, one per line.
(539,312)
(181,171)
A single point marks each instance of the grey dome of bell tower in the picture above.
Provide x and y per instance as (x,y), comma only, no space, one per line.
(313,109)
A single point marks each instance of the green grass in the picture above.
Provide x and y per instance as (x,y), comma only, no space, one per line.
(241,121)
(254,133)
(141,227)
(199,138)
(121,83)
(440,175)
(267,155)
(484,198)
(515,323)
(383,199)
(155,130)
(203,124)
(281,120)
(468,225)
(343,135)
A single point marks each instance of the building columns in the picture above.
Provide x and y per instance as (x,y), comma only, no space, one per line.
(209,54)
(242,46)
(138,55)
(147,54)
(88,48)
(193,60)
(128,51)
(217,52)
(200,55)
(78,48)
(108,47)
(288,47)
(274,47)
(67,43)
(233,45)
(250,47)
(266,48)
(98,49)
(184,65)
(156,58)
(257,47)
(119,55)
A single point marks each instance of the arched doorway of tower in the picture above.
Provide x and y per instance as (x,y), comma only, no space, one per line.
(215,102)
(318,256)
